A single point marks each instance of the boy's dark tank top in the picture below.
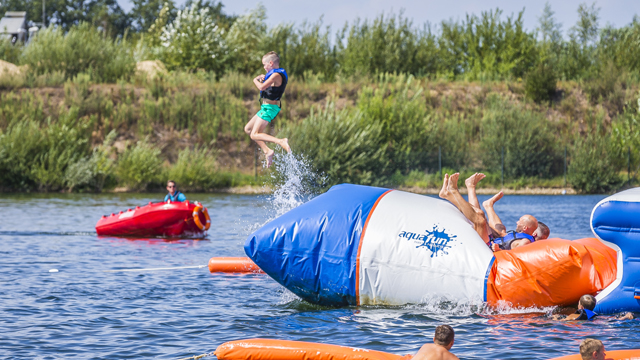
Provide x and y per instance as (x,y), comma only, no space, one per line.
(275,92)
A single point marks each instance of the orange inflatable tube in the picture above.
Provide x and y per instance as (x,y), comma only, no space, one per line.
(233,265)
(551,272)
(633,354)
(269,349)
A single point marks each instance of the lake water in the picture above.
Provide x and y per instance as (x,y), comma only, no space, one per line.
(83,312)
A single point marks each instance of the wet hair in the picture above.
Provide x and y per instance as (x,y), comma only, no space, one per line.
(588,347)
(588,302)
(544,231)
(272,56)
(172,182)
(444,335)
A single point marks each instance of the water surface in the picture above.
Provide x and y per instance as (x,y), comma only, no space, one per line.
(83,312)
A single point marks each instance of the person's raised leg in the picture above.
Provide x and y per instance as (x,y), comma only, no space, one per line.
(249,127)
(476,216)
(257,134)
(471,183)
(494,220)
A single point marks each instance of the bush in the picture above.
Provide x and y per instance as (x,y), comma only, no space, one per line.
(193,41)
(526,136)
(138,166)
(92,171)
(540,84)
(82,49)
(245,41)
(10,52)
(19,145)
(593,165)
(342,145)
(195,170)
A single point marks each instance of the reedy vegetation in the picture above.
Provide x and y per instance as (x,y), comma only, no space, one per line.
(385,116)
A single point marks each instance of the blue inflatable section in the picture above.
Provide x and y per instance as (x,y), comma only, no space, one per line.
(312,249)
(618,222)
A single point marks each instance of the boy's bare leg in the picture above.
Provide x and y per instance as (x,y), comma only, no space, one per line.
(257,134)
(471,183)
(450,192)
(249,127)
(494,220)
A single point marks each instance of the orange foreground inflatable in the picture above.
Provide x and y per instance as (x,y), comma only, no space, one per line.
(269,349)
(233,265)
(551,272)
(614,355)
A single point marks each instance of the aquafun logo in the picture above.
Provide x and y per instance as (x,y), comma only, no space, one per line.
(436,241)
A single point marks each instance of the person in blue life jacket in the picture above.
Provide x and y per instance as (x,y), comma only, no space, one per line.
(499,238)
(271,86)
(585,311)
(174,195)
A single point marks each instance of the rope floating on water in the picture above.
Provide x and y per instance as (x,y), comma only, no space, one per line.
(196,357)
(155,269)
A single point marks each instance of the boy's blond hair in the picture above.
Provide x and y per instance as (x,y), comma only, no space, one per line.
(588,347)
(272,56)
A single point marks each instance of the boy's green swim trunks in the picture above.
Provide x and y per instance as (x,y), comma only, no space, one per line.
(268,112)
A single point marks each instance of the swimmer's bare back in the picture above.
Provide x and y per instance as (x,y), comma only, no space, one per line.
(433,352)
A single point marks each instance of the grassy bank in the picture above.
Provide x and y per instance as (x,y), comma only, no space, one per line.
(386,130)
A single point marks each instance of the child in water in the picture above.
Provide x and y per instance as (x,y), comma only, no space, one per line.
(271,86)
(585,311)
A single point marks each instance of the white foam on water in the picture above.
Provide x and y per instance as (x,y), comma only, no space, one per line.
(295,182)
(467,308)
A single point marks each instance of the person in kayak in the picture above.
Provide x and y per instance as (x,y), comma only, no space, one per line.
(440,349)
(174,195)
(271,86)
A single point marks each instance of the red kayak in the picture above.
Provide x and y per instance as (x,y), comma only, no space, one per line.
(161,219)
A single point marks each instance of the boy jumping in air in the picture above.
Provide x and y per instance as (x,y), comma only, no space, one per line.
(271,88)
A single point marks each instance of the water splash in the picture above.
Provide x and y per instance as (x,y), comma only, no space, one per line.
(294,181)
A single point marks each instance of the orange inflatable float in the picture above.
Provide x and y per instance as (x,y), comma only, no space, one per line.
(611,355)
(551,272)
(233,265)
(269,349)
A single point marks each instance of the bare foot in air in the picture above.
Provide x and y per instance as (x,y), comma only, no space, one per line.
(474,179)
(489,203)
(284,143)
(269,157)
(444,192)
(453,183)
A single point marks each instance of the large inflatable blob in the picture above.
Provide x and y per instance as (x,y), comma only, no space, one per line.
(360,245)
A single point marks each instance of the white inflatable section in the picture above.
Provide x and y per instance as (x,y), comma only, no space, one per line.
(417,248)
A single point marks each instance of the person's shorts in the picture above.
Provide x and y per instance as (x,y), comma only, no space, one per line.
(268,112)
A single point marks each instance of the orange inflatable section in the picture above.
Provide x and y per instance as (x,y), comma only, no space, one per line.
(613,355)
(233,265)
(551,272)
(268,349)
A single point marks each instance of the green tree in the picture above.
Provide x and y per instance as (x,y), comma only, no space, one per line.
(145,12)
(194,41)
(245,41)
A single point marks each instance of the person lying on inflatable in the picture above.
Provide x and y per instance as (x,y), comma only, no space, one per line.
(439,350)
(500,238)
(525,227)
(174,195)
